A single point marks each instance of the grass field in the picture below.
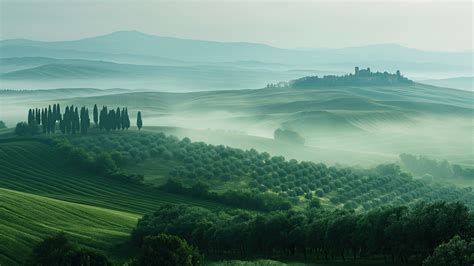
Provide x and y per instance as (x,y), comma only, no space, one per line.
(27,218)
(41,194)
(35,168)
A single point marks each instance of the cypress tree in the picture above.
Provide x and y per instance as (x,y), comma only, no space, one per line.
(88,120)
(71,120)
(49,120)
(139,120)
(127,119)
(44,119)
(38,116)
(96,115)
(66,118)
(111,119)
(61,125)
(58,111)
(83,120)
(124,119)
(118,119)
(30,117)
(103,118)
(76,121)
(54,111)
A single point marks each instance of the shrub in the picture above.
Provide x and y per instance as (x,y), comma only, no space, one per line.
(23,129)
(288,136)
(168,250)
(58,250)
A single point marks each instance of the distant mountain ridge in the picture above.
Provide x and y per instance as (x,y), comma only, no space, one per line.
(140,44)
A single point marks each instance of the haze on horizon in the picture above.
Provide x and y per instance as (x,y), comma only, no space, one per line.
(423,25)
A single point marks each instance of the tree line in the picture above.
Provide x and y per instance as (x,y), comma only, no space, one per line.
(163,250)
(75,120)
(397,233)
(431,168)
(236,198)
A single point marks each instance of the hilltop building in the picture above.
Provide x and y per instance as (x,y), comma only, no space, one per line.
(359,77)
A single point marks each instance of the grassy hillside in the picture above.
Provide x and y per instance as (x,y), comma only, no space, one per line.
(35,168)
(27,218)
(42,194)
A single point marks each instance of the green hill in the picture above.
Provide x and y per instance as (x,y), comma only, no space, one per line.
(27,218)
(42,194)
(33,167)
(379,120)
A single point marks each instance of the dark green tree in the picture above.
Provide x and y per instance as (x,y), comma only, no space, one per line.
(455,252)
(127,119)
(49,120)
(22,129)
(44,119)
(103,118)
(168,250)
(58,250)
(139,120)
(38,116)
(118,119)
(96,115)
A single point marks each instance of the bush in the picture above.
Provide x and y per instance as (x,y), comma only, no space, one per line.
(23,129)
(289,136)
(167,250)
(455,252)
(2,124)
(58,250)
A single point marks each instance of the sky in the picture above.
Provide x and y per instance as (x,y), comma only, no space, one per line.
(427,25)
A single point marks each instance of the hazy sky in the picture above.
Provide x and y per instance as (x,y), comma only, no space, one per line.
(418,24)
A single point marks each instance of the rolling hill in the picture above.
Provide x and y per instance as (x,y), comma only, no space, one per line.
(139,48)
(28,218)
(376,122)
(43,72)
(42,195)
(460,83)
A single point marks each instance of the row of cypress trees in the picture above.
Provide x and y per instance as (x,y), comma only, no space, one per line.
(74,120)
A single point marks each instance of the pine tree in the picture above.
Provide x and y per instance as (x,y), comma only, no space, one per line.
(139,120)
(96,115)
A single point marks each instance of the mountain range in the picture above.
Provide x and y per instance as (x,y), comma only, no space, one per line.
(133,47)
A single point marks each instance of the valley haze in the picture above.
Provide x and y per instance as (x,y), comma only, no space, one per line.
(136,147)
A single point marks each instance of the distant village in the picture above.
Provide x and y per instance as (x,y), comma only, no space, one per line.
(359,77)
